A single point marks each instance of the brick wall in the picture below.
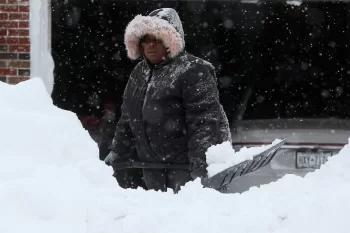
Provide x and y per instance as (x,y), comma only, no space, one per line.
(14,41)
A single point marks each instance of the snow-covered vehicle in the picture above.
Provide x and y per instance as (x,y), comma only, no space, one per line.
(311,114)
(309,143)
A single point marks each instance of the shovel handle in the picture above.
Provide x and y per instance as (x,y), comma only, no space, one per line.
(135,164)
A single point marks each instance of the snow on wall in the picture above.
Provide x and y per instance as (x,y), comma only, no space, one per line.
(42,64)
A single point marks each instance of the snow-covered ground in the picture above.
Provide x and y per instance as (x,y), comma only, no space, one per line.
(52,181)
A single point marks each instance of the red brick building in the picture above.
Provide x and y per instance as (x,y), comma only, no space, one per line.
(14,41)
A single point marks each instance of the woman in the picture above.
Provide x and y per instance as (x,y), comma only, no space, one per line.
(171,111)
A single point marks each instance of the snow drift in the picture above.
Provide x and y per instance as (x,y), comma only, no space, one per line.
(52,181)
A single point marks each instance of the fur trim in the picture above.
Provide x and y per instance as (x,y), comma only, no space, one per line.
(160,28)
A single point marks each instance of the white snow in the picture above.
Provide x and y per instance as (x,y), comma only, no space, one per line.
(294,2)
(223,156)
(41,62)
(52,181)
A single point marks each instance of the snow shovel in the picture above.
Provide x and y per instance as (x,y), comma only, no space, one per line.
(221,180)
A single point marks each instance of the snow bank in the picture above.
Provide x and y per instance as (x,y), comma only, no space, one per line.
(52,181)
(223,156)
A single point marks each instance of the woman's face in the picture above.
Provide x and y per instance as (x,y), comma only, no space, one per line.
(153,49)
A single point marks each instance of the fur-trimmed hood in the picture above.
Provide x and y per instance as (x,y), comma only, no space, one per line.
(163,23)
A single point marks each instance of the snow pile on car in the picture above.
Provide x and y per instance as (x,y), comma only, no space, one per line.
(52,181)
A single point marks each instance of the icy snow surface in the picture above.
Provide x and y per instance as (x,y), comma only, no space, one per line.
(52,181)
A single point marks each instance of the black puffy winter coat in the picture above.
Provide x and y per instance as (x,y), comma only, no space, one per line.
(171,112)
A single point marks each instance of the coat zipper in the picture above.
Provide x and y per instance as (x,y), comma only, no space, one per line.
(143,100)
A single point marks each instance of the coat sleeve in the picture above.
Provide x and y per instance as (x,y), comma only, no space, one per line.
(123,143)
(204,113)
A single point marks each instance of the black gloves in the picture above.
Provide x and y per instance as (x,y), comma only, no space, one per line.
(200,172)
(113,158)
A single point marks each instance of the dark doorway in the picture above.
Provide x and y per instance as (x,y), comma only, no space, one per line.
(264,45)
